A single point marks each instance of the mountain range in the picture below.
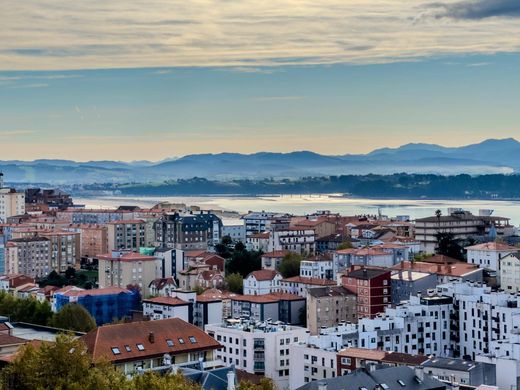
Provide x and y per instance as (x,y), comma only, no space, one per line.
(489,156)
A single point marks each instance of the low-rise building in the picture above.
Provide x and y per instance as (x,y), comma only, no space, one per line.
(261,282)
(319,266)
(104,304)
(162,287)
(135,346)
(294,239)
(272,260)
(287,308)
(258,241)
(488,255)
(299,285)
(460,372)
(405,283)
(446,272)
(160,308)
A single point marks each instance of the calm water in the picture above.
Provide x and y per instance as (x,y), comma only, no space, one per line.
(305,204)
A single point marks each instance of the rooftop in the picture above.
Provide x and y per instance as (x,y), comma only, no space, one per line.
(264,274)
(310,281)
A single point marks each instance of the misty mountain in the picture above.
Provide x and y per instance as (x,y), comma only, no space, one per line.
(490,156)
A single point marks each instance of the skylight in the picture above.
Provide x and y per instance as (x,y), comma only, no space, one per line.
(140,347)
(128,349)
(401,383)
(116,351)
(181,340)
(169,342)
(193,340)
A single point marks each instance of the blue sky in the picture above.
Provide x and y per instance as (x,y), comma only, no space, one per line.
(447,74)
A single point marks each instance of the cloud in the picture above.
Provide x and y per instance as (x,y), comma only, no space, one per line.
(479,9)
(255,34)
(15,133)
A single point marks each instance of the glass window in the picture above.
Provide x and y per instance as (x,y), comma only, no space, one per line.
(193,340)
(140,347)
(128,349)
(169,342)
(116,351)
(181,340)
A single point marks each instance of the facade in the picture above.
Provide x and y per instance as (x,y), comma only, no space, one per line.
(160,308)
(52,198)
(510,273)
(162,287)
(299,285)
(321,226)
(319,266)
(295,239)
(106,305)
(65,249)
(122,269)
(135,346)
(287,308)
(261,282)
(405,283)
(188,232)
(461,224)
(261,349)
(372,287)
(308,364)
(258,241)
(11,202)
(328,306)
(272,260)
(94,240)
(126,235)
(236,232)
(258,222)
(29,256)
(460,372)
(488,255)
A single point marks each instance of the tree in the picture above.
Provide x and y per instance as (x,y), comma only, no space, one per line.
(67,365)
(235,283)
(25,310)
(290,265)
(243,261)
(347,244)
(73,317)
(447,245)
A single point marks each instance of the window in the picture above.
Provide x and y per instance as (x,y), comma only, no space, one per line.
(169,342)
(140,347)
(116,351)
(128,349)
(345,360)
(181,340)
(193,340)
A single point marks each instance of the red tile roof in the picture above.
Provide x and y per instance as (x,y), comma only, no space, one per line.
(169,301)
(260,235)
(127,256)
(454,269)
(263,274)
(276,254)
(311,281)
(267,298)
(152,335)
(492,246)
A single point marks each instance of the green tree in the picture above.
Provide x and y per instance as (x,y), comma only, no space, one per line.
(25,310)
(290,265)
(243,261)
(346,244)
(73,317)
(235,283)
(447,245)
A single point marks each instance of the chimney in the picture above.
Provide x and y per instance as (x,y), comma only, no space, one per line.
(231,379)
(419,372)
(151,337)
(322,385)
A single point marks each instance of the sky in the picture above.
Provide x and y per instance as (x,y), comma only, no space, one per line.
(135,79)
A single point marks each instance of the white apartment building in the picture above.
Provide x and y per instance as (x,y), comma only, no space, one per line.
(262,282)
(488,255)
(309,363)
(237,232)
(257,222)
(258,347)
(294,239)
(510,272)
(320,267)
(11,202)
(161,308)
(480,317)
(258,241)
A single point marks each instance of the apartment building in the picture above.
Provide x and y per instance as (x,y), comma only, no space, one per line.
(488,255)
(29,256)
(188,232)
(93,216)
(272,260)
(11,202)
(510,272)
(94,240)
(122,269)
(480,317)
(372,286)
(309,364)
(329,306)
(299,285)
(383,255)
(287,308)
(126,235)
(65,249)
(295,239)
(319,266)
(258,222)
(405,283)
(159,308)
(461,224)
(258,348)
(446,272)
(258,241)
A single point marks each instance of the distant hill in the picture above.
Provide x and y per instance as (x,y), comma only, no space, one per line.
(487,157)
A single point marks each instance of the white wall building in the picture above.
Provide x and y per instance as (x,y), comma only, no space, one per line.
(236,231)
(488,255)
(319,267)
(510,272)
(294,239)
(309,363)
(262,282)
(258,348)
(11,202)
